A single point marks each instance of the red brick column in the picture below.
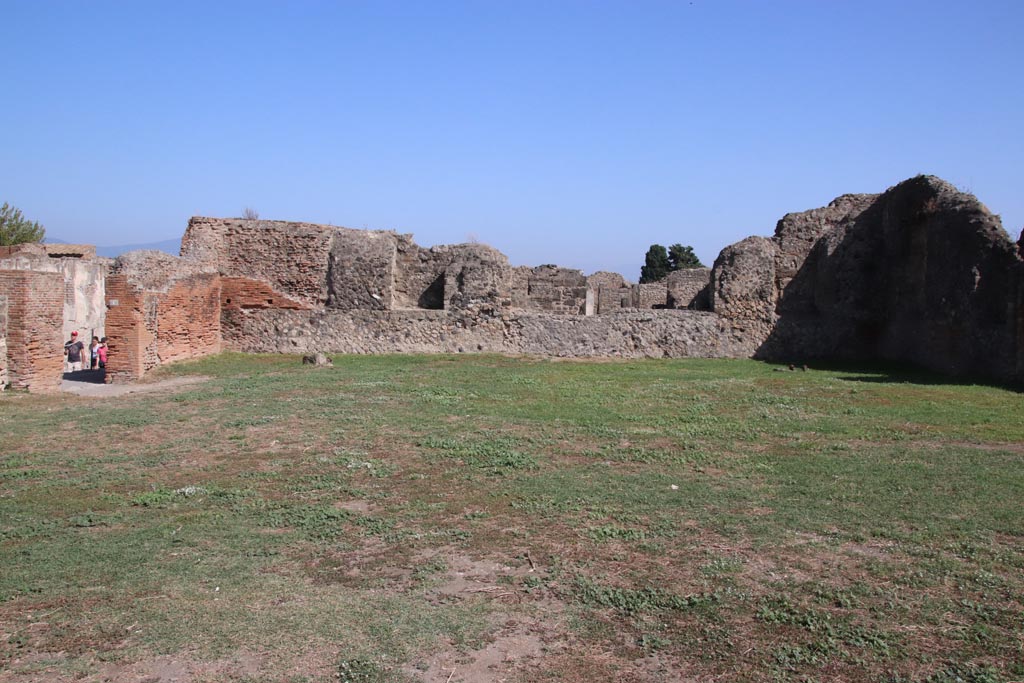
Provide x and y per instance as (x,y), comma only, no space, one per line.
(127,336)
(35,314)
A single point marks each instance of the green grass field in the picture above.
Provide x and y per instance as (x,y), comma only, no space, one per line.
(482,518)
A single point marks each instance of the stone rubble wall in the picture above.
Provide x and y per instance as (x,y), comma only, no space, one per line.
(743,286)
(291,257)
(611,291)
(550,289)
(34,326)
(632,334)
(922,274)
(420,274)
(611,299)
(652,295)
(689,288)
(477,276)
(361,270)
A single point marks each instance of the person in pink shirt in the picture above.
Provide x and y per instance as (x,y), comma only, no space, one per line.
(101,353)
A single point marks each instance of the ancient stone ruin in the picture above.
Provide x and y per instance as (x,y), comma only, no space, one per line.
(921,273)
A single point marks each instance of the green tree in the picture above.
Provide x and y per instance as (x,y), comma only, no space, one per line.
(656,264)
(680,257)
(15,229)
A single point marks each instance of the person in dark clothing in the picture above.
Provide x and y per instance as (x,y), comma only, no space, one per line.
(74,353)
(94,357)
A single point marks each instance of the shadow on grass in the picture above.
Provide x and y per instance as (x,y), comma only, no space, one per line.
(901,373)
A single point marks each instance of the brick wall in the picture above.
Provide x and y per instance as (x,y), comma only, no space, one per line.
(127,336)
(243,292)
(146,328)
(4,380)
(35,309)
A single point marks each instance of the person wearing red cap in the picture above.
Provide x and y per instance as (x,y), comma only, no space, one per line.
(74,353)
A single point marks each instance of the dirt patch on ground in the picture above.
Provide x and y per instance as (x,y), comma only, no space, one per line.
(99,390)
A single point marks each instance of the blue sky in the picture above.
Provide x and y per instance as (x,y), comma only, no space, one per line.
(576,133)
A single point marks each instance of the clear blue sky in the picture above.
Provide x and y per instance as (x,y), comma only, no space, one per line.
(576,133)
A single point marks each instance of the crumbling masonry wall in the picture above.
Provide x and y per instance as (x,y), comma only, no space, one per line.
(627,334)
(4,377)
(290,257)
(689,288)
(84,300)
(160,309)
(922,274)
(550,289)
(33,330)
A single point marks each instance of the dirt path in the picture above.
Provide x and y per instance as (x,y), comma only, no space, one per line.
(94,389)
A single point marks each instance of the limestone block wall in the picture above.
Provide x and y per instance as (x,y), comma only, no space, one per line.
(688,288)
(549,288)
(34,329)
(611,299)
(652,294)
(628,334)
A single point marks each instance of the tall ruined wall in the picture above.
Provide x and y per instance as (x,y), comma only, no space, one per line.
(291,257)
(361,270)
(344,269)
(922,273)
(419,274)
(34,329)
(161,309)
(478,275)
(627,334)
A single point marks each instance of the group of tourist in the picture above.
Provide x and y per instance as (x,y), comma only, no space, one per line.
(76,355)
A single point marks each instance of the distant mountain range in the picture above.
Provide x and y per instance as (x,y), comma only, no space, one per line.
(169,246)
